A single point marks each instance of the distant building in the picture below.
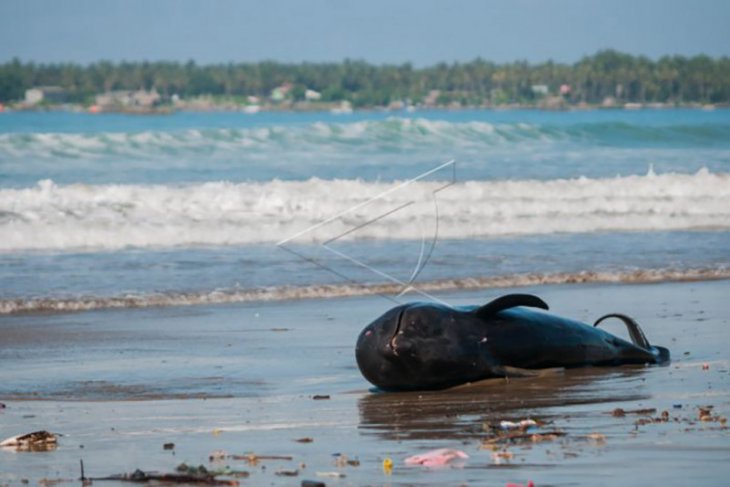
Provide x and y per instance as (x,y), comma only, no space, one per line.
(279,93)
(128,99)
(311,95)
(432,98)
(540,90)
(48,94)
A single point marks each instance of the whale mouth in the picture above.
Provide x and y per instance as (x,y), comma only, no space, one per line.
(392,344)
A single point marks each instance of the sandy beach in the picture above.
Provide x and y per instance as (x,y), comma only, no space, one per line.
(232,380)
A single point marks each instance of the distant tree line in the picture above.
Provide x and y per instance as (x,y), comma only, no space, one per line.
(626,78)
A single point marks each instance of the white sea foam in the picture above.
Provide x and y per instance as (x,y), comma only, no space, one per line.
(281,293)
(77,217)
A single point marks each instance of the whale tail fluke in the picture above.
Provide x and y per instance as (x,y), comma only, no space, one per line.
(635,332)
(661,354)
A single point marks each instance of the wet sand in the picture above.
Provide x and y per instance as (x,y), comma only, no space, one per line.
(119,384)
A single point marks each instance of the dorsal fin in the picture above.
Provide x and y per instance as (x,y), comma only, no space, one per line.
(509,301)
(637,335)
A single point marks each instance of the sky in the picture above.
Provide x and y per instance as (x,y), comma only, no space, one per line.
(422,32)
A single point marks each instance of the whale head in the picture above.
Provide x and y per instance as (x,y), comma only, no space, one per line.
(423,346)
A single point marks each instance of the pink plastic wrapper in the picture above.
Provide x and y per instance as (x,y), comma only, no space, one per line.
(437,458)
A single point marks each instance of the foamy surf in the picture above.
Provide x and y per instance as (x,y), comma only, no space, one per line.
(107,217)
(326,291)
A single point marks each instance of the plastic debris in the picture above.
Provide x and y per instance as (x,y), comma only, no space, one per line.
(524,424)
(35,441)
(342,461)
(388,466)
(254,459)
(620,413)
(287,473)
(217,456)
(598,438)
(530,483)
(332,475)
(437,458)
(500,457)
(168,446)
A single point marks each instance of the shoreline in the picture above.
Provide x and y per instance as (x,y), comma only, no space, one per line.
(110,381)
(332,109)
(286,293)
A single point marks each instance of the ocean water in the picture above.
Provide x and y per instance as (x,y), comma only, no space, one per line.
(109,210)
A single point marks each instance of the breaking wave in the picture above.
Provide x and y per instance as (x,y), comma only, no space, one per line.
(282,293)
(107,217)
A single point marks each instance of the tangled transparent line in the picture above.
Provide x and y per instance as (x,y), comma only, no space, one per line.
(428,243)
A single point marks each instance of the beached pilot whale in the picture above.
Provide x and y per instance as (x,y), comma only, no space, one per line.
(426,346)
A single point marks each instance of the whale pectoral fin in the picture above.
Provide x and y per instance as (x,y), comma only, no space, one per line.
(510,301)
(635,332)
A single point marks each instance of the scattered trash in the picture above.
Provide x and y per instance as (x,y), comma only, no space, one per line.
(2,405)
(304,440)
(677,406)
(35,441)
(388,466)
(705,366)
(342,461)
(319,397)
(705,414)
(254,459)
(519,437)
(332,475)
(287,473)
(168,446)
(217,456)
(619,413)
(217,432)
(524,424)
(499,457)
(599,438)
(436,458)
(45,482)
(530,483)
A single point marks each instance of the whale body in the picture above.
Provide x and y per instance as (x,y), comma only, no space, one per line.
(428,346)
